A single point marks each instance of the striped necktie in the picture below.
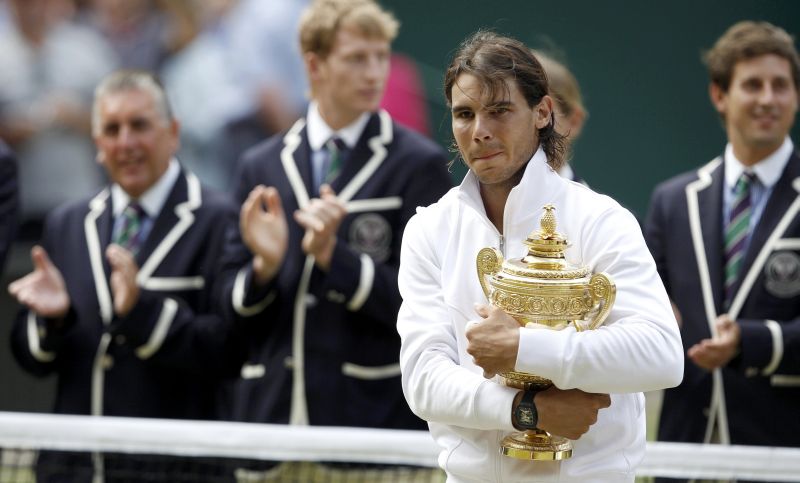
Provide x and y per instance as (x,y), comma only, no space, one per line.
(130,233)
(736,233)
(336,152)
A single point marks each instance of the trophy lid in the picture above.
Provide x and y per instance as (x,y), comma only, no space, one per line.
(545,258)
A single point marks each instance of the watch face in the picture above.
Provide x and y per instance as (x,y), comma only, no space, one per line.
(525,417)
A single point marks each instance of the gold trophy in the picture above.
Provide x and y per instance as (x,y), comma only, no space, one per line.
(544,291)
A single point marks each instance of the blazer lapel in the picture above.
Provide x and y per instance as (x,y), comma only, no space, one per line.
(175,218)
(703,196)
(296,161)
(302,159)
(368,155)
(358,156)
(784,193)
(97,230)
(710,207)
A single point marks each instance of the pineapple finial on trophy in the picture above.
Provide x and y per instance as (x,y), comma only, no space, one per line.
(548,221)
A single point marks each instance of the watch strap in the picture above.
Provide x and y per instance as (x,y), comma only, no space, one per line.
(526,415)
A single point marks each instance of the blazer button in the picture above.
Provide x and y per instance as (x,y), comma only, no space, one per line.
(107,362)
(120,339)
(311,300)
(336,297)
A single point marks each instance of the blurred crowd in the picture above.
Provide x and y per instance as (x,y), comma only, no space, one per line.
(232,68)
(284,296)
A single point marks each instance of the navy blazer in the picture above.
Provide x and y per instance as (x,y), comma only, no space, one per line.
(9,206)
(164,358)
(324,349)
(758,393)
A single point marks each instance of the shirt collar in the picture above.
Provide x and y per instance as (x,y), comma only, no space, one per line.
(319,132)
(537,172)
(768,170)
(566,171)
(151,200)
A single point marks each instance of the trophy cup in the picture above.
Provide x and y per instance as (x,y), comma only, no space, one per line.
(543,290)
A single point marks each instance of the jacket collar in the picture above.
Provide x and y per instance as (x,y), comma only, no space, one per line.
(319,132)
(768,170)
(152,200)
(704,198)
(539,186)
(367,156)
(176,217)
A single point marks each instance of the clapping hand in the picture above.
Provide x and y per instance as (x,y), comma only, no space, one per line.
(264,231)
(124,289)
(43,291)
(321,219)
(720,349)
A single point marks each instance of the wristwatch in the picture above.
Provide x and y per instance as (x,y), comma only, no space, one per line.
(525,414)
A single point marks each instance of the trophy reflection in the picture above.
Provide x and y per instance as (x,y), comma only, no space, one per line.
(543,290)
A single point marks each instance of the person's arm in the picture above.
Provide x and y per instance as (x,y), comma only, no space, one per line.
(567,413)
(47,316)
(254,251)
(754,347)
(440,390)
(436,387)
(639,346)
(37,342)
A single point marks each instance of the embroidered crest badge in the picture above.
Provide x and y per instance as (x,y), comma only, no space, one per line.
(782,274)
(371,234)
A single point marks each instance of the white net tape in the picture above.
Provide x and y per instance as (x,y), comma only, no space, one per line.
(295,443)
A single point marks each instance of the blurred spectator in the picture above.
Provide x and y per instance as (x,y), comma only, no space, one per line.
(318,292)
(245,65)
(201,70)
(264,58)
(736,285)
(568,107)
(120,302)
(139,33)
(4,16)
(405,97)
(49,68)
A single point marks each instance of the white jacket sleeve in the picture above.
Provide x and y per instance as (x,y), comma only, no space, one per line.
(437,388)
(639,347)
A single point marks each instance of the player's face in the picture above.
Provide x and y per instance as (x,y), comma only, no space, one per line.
(496,136)
(760,105)
(134,140)
(352,78)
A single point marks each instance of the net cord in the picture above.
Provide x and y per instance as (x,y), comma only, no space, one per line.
(364,445)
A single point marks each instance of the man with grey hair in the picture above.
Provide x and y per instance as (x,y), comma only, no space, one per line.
(119,304)
(151,241)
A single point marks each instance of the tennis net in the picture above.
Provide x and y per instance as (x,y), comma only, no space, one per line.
(56,448)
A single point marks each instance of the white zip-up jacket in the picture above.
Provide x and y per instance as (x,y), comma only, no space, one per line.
(638,348)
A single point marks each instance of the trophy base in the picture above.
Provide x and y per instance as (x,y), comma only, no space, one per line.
(536,445)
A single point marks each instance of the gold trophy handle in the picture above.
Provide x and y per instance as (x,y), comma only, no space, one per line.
(489,262)
(603,292)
